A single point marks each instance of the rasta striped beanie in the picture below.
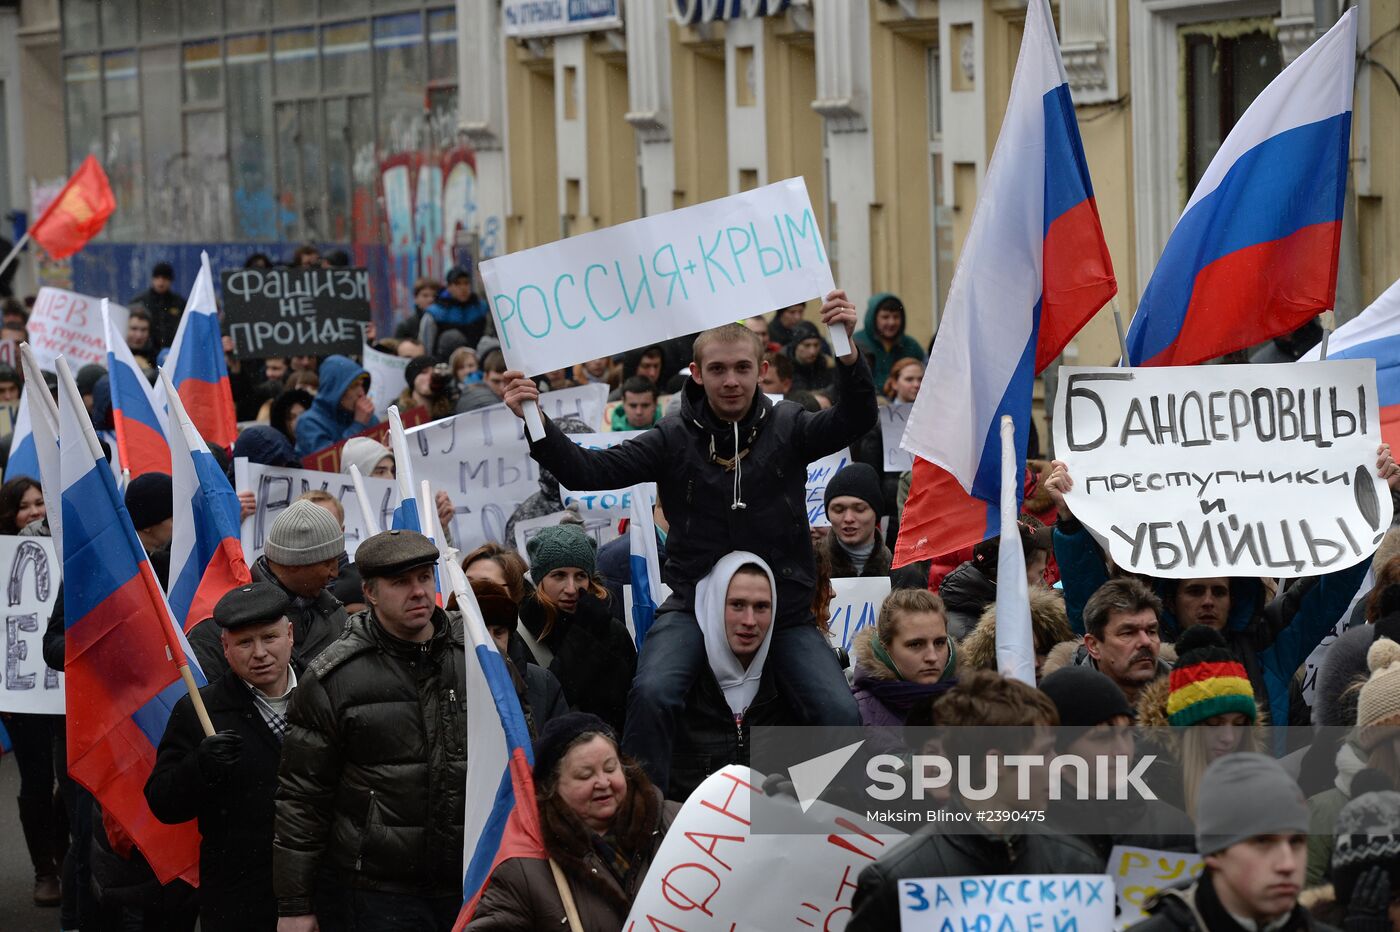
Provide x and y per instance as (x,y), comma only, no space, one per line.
(1207,680)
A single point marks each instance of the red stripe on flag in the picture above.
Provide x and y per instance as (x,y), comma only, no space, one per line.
(210,407)
(1390,425)
(1261,291)
(939,516)
(226,572)
(142,449)
(115,770)
(115,661)
(1078,279)
(522,837)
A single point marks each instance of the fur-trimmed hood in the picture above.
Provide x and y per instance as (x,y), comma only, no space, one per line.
(868,667)
(1065,654)
(1152,713)
(1049,627)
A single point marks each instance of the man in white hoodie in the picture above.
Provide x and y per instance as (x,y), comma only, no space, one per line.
(735,606)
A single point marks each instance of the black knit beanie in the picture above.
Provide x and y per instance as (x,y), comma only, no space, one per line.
(859,480)
(416,366)
(560,734)
(149,499)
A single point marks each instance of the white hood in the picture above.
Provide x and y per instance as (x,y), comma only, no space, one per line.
(364,453)
(740,685)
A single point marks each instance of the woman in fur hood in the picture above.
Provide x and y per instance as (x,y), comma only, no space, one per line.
(905,659)
(1049,627)
(1206,687)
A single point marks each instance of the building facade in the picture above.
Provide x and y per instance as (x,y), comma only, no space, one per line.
(248,125)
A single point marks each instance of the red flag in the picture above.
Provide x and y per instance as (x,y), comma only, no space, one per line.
(77,214)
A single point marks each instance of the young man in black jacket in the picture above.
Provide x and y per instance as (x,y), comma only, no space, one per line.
(732,466)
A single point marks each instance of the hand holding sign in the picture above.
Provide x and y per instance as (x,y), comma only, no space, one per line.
(839,314)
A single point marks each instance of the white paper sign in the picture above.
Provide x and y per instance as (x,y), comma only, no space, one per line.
(1140,872)
(855,606)
(648,280)
(1007,901)
(33,570)
(892,420)
(65,323)
(386,377)
(612,504)
(274,488)
(1183,471)
(818,477)
(482,460)
(601,530)
(783,878)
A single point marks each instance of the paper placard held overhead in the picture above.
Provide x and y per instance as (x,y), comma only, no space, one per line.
(65,323)
(286,312)
(646,281)
(32,570)
(1226,470)
(274,488)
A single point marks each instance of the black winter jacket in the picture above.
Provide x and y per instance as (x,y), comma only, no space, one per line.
(709,736)
(316,623)
(372,782)
(683,454)
(929,853)
(966,591)
(1137,822)
(235,815)
(594,656)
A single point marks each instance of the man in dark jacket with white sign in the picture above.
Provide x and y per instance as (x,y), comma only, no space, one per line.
(732,466)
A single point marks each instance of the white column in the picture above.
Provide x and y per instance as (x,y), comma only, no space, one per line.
(962,40)
(15,184)
(571,121)
(748,133)
(1088,45)
(481,105)
(842,37)
(649,102)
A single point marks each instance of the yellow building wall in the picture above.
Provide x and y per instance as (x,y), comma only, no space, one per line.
(901,245)
(612,143)
(1378,213)
(534,217)
(795,131)
(700,130)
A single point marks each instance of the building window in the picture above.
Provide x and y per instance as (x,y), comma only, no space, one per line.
(119,22)
(294,62)
(1224,71)
(203,72)
(345,61)
(82,89)
(80,24)
(940,214)
(399,81)
(160,19)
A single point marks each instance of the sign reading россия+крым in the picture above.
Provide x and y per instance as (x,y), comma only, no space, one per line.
(290,312)
(650,280)
(1260,470)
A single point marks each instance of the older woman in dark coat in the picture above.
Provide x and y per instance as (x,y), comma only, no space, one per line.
(602,823)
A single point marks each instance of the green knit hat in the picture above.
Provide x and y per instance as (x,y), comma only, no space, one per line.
(563,545)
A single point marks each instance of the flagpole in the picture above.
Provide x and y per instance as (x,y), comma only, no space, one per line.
(1122,338)
(366,509)
(5,264)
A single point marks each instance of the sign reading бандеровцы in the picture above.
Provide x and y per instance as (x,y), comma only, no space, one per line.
(1262,470)
(650,280)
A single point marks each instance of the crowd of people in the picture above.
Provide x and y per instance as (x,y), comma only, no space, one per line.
(332,792)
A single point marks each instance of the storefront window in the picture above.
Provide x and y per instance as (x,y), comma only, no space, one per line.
(251,174)
(398,81)
(119,81)
(80,24)
(203,72)
(126,172)
(82,107)
(294,62)
(345,63)
(119,22)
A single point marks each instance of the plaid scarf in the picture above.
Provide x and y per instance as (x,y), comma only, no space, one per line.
(275,721)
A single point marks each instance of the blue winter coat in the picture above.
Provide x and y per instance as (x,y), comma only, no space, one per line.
(326,422)
(1271,641)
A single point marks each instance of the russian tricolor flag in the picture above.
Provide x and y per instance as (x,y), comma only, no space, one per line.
(24,458)
(121,681)
(644,562)
(1034,269)
(1254,254)
(502,818)
(405,516)
(196,363)
(140,420)
(1374,334)
(42,412)
(206,556)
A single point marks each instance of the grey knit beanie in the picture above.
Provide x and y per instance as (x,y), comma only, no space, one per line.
(304,534)
(1244,795)
(564,545)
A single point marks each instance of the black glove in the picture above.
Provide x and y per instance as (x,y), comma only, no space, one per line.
(218,754)
(777,784)
(1369,909)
